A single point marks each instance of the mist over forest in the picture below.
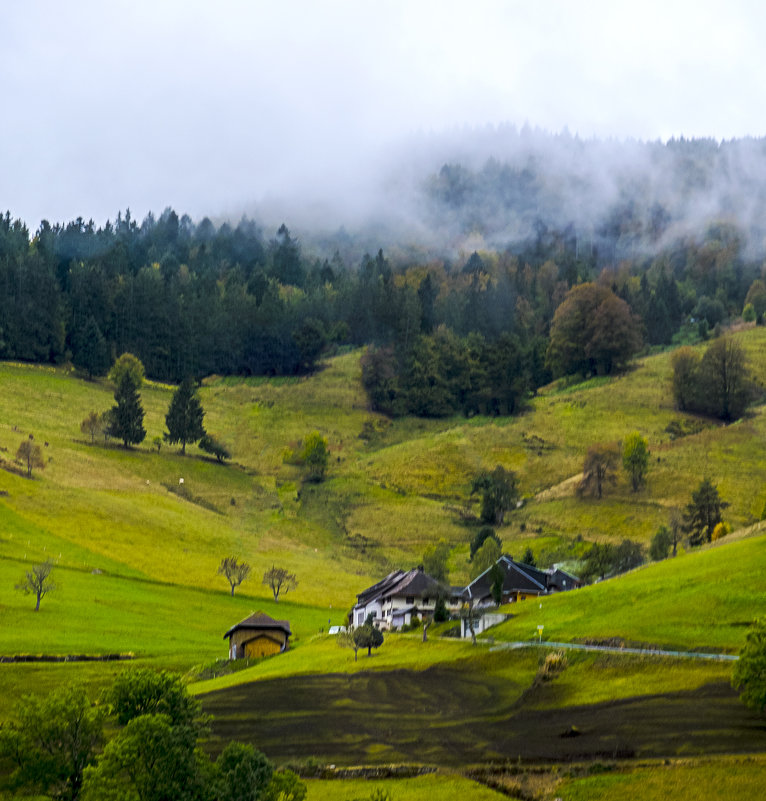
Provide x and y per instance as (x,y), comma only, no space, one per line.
(456,271)
(501,187)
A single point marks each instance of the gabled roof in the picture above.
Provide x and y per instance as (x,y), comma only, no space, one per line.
(414,583)
(260,620)
(517,578)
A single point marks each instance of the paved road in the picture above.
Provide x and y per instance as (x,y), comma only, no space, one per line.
(500,646)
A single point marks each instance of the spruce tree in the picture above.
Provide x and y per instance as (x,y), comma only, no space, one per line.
(184,417)
(127,415)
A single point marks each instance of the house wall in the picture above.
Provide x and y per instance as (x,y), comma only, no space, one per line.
(240,638)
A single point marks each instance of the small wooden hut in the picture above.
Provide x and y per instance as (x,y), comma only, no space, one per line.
(256,636)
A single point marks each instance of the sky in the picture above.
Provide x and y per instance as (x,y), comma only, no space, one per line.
(219,108)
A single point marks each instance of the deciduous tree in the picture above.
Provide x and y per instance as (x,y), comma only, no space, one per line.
(368,636)
(599,468)
(315,456)
(749,675)
(635,459)
(280,581)
(52,739)
(91,425)
(242,773)
(234,570)
(499,493)
(129,365)
(30,454)
(214,447)
(38,582)
(727,385)
(435,559)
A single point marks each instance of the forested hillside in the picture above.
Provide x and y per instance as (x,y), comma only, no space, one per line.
(457,329)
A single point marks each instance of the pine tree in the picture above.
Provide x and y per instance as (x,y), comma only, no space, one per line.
(127,415)
(184,417)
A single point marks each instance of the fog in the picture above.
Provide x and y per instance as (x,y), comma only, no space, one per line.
(336,113)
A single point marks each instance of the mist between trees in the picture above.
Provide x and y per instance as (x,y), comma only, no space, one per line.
(473,332)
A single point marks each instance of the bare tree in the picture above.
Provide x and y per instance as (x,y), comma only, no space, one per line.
(30,454)
(280,581)
(234,570)
(38,582)
(599,468)
(91,425)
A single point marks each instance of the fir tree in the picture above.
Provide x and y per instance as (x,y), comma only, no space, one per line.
(184,417)
(127,415)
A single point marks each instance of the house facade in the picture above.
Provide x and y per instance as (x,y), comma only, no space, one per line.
(400,596)
(258,635)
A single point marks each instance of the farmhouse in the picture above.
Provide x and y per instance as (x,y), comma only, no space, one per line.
(256,636)
(399,597)
(520,582)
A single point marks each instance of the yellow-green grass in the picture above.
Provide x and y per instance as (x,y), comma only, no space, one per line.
(741,778)
(323,655)
(702,600)
(596,678)
(420,788)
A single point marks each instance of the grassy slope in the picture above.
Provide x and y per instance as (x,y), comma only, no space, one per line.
(136,563)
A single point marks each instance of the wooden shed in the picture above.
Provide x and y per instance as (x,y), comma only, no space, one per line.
(256,636)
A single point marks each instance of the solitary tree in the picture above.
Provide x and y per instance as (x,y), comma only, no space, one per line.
(660,545)
(599,468)
(368,635)
(235,571)
(38,582)
(30,454)
(184,417)
(749,675)
(91,425)
(635,459)
(703,513)
(126,420)
(346,640)
(315,456)
(211,445)
(51,741)
(499,493)
(280,580)
(727,386)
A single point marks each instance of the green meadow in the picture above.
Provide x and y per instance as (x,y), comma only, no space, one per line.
(136,537)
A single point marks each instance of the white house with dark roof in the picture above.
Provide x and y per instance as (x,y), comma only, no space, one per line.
(399,597)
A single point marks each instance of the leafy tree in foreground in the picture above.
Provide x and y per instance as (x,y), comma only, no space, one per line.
(635,459)
(141,691)
(749,675)
(368,636)
(280,581)
(150,760)
(284,786)
(599,468)
(51,741)
(30,454)
(184,417)
(234,570)
(703,513)
(38,582)
(243,774)
(499,493)
(126,420)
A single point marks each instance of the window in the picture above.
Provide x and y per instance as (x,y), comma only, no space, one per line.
(410,599)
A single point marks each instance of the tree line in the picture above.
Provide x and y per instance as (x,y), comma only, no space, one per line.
(471,334)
